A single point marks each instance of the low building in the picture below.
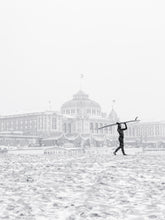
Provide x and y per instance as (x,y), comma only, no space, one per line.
(21,129)
(146,132)
(18,139)
(40,123)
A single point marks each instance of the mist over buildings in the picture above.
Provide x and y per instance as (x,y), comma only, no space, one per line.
(118,46)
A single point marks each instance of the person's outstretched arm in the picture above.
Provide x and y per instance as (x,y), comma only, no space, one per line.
(125,127)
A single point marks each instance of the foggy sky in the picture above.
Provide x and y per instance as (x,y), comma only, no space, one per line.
(118,45)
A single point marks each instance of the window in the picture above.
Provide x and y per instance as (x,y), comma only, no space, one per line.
(64,127)
(69,127)
(88,111)
(101,125)
(93,111)
(96,127)
(91,126)
(68,112)
(54,123)
(72,111)
(106,128)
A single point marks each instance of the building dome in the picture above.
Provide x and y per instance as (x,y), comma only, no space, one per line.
(113,116)
(81,104)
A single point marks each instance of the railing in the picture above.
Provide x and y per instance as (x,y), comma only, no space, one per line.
(76,152)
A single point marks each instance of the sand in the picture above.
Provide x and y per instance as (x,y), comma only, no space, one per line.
(100,186)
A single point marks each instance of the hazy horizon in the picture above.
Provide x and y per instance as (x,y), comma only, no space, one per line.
(118,46)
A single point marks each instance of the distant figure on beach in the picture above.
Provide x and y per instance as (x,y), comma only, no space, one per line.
(121,137)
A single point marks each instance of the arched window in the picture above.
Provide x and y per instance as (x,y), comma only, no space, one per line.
(91,126)
(64,127)
(96,127)
(69,128)
(54,123)
(72,111)
(68,111)
(93,111)
(101,125)
(88,111)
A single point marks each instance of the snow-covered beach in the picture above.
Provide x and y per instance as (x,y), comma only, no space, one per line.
(98,186)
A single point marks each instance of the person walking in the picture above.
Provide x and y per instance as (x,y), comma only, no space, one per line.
(121,137)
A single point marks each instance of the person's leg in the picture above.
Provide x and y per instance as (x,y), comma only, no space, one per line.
(118,147)
(122,147)
(116,150)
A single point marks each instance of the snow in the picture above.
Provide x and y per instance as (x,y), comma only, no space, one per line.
(93,186)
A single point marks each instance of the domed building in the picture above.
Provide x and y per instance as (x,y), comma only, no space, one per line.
(84,116)
(77,123)
(81,105)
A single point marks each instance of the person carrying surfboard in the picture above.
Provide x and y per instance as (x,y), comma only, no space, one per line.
(121,133)
(121,137)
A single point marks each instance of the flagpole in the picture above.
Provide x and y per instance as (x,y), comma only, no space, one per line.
(80,83)
(113,103)
(81,77)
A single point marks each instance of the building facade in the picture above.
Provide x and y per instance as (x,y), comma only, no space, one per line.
(30,128)
(146,132)
(41,123)
(78,121)
(83,115)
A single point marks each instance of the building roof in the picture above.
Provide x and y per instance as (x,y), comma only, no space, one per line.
(113,116)
(30,114)
(80,99)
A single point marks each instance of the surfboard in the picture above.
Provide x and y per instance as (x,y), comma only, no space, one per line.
(105,126)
